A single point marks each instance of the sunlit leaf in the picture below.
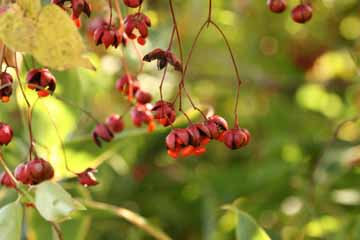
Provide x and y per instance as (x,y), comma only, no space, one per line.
(247,228)
(30,7)
(52,38)
(11,217)
(17,30)
(54,203)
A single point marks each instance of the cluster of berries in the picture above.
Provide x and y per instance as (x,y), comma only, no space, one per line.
(143,112)
(135,26)
(36,170)
(193,139)
(302,13)
(106,131)
(32,172)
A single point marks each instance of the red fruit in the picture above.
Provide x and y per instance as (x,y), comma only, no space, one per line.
(115,123)
(277,6)
(236,138)
(94,24)
(141,41)
(164,112)
(141,114)
(6,89)
(6,134)
(128,85)
(42,81)
(39,170)
(87,178)
(141,23)
(216,126)
(143,97)
(108,35)
(199,151)
(133,3)
(194,135)
(7,181)
(200,134)
(77,21)
(177,139)
(302,13)
(78,7)
(21,173)
(163,58)
(102,132)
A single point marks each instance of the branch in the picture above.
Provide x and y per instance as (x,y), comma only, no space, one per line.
(129,216)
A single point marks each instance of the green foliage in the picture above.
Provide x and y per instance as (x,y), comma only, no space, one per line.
(299,83)
(11,218)
(54,203)
(247,228)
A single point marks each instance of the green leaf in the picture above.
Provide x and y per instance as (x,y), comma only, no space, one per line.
(247,228)
(11,217)
(54,203)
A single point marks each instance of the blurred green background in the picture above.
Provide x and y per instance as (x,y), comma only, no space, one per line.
(300,82)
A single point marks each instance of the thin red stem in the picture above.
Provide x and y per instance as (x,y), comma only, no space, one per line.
(110,9)
(182,82)
(139,55)
(29,111)
(239,82)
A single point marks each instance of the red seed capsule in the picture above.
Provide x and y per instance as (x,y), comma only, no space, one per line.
(163,59)
(6,134)
(39,170)
(277,6)
(143,97)
(7,181)
(42,81)
(102,132)
(87,177)
(133,3)
(108,35)
(236,138)
(115,123)
(21,174)
(128,85)
(141,114)
(6,89)
(164,112)
(302,13)
(139,22)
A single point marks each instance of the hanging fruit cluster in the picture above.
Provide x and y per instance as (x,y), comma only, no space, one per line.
(301,13)
(144,109)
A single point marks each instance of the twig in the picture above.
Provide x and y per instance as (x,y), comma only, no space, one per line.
(129,216)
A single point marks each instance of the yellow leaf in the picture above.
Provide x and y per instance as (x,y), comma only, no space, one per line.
(58,42)
(16,30)
(50,36)
(30,7)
